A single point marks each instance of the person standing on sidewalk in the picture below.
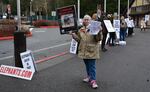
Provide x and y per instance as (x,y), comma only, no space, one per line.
(88,50)
(123,28)
(104,31)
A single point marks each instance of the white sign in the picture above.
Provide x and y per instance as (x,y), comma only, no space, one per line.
(109,26)
(16,72)
(73,46)
(28,61)
(53,13)
(94,27)
(147,17)
(116,23)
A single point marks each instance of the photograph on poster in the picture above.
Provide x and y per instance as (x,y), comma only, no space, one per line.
(67,20)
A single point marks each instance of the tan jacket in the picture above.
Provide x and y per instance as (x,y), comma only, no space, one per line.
(89,47)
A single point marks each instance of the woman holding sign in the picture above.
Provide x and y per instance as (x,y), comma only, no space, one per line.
(88,50)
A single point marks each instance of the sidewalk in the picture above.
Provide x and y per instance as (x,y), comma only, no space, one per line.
(120,69)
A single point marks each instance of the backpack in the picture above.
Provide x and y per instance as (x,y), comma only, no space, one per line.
(123,24)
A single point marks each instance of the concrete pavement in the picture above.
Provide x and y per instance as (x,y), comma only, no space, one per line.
(120,69)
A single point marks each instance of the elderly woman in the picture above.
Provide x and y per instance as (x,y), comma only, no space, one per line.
(88,50)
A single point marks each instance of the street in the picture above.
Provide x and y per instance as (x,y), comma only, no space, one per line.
(120,69)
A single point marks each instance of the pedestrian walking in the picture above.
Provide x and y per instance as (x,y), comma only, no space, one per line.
(143,24)
(88,50)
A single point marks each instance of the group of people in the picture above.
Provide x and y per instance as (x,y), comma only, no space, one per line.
(89,47)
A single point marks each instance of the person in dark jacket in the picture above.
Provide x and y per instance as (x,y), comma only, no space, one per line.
(104,31)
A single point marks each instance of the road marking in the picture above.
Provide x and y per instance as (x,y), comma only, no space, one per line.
(51,57)
(8,57)
(39,31)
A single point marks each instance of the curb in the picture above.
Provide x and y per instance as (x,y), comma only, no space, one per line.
(12,37)
(49,27)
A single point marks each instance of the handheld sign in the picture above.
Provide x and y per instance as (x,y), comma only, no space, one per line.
(109,26)
(94,27)
(67,19)
(73,46)
(28,61)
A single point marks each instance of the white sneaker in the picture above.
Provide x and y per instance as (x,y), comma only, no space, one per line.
(86,80)
(94,84)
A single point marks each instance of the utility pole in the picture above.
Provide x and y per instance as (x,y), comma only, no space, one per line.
(128,9)
(19,16)
(78,9)
(118,9)
(105,6)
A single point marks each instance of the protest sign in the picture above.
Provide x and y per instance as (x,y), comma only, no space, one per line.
(147,18)
(73,46)
(16,72)
(94,27)
(67,19)
(28,61)
(109,26)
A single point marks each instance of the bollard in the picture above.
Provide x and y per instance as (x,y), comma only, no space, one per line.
(19,47)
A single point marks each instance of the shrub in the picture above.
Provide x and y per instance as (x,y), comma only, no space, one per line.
(8,27)
(39,23)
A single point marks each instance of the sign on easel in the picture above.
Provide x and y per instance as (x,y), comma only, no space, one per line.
(28,61)
(109,26)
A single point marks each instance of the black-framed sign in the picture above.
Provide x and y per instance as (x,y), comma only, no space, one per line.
(67,19)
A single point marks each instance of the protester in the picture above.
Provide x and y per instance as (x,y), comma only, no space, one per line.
(130,27)
(143,24)
(112,35)
(123,28)
(88,50)
(104,31)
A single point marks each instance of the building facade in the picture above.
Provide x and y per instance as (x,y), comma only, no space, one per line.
(140,9)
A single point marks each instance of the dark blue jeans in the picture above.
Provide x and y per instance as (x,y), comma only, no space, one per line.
(122,34)
(90,68)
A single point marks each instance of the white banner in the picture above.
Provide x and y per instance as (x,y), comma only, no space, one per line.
(16,72)
(73,46)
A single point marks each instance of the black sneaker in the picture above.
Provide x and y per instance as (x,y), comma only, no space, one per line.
(104,49)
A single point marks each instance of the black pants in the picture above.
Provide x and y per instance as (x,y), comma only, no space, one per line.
(103,40)
(112,36)
(130,31)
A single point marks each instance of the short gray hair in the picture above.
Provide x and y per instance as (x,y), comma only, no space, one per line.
(87,17)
